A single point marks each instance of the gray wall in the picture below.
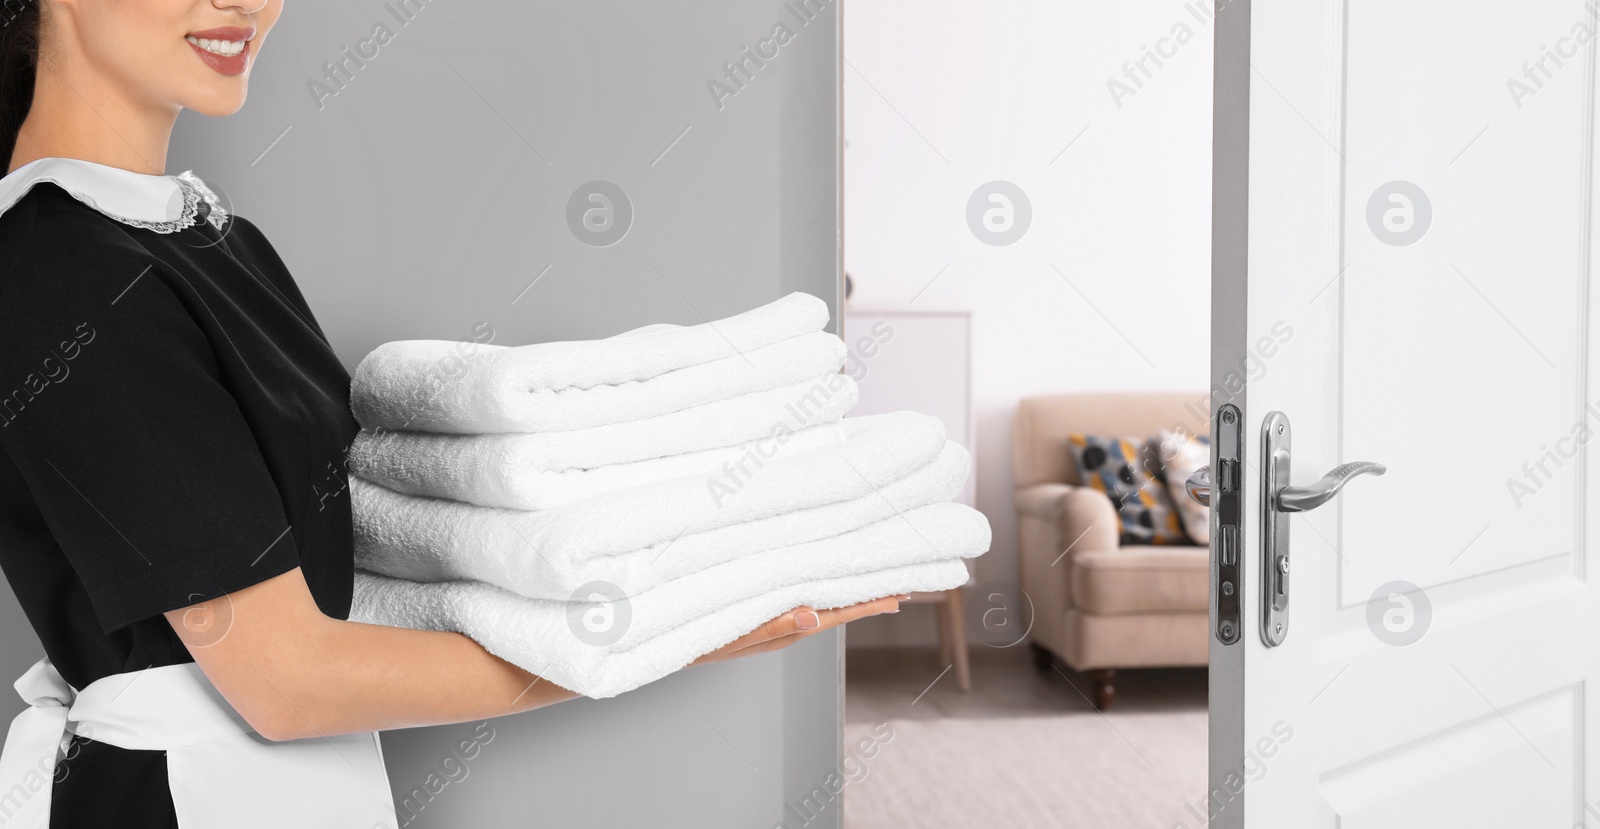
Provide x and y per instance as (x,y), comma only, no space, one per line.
(429,195)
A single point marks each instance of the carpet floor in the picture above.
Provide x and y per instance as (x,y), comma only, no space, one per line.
(1022,749)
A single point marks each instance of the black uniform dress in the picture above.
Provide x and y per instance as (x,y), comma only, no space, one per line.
(174,423)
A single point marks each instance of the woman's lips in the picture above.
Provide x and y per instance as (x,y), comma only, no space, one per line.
(225,49)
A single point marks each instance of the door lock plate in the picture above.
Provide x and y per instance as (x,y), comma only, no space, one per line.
(1227,534)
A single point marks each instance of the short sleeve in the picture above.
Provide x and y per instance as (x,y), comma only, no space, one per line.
(137,455)
(273,270)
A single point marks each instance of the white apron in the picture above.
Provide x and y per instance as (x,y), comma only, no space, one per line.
(222,774)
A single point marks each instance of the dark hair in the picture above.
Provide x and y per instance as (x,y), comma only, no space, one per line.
(19,59)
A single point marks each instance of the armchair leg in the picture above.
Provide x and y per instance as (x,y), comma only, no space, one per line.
(1103,691)
(1041,656)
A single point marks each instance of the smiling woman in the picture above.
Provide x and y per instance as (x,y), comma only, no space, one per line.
(168,522)
(135,64)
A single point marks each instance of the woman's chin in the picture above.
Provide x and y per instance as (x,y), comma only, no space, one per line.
(220,103)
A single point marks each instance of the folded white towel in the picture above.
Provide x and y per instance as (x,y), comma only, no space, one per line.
(492,394)
(466,388)
(504,470)
(448,542)
(604,648)
(545,552)
(720,423)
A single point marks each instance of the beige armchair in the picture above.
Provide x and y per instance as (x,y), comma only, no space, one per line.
(1099,606)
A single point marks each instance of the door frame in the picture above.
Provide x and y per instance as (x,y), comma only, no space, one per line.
(1230,223)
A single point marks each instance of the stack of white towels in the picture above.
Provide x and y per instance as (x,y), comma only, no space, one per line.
(601,513)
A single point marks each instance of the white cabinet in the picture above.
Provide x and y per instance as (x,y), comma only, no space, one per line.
(918,360)
(922,361)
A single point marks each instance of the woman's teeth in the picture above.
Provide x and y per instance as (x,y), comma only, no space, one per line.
(225,48)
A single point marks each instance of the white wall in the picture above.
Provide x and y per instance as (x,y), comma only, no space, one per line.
(943,96)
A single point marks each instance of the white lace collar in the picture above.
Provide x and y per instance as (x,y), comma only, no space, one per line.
(164,204)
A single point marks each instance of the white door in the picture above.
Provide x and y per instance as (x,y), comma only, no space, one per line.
(1404,268)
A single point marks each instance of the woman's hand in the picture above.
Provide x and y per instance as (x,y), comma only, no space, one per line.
(798,624)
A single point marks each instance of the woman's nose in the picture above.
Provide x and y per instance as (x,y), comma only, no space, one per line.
(246,6)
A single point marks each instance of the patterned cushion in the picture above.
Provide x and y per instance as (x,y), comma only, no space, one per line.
(1120,468)
(1181,456)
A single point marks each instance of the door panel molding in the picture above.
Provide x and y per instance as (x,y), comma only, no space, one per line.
(1343,98)
(1574,101)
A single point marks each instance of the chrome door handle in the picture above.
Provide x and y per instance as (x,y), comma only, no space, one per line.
(1199,486)
(1278,501)
(1303,498)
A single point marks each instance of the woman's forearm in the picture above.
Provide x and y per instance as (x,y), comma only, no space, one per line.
(293,672)
(372,678)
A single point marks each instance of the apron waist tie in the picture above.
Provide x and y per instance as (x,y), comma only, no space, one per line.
(220,771)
